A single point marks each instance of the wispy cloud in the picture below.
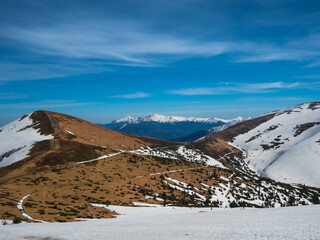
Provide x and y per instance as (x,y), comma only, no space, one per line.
(313,64)
(133,44)
(230,88)
(116,41)
(85,38)
(133,95)
(33,71)
(316,76)
(11,95)
(123,44)
(195,91)
(265,86)
(273,98)
(47,104)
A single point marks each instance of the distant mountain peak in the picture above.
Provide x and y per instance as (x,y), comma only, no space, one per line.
(125,119)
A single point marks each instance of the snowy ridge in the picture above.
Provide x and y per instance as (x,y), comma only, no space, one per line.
(172,119)
(232,192)
(229,124)
(180,152)
(127,119)
(224,126)
(16,140)
(287,147)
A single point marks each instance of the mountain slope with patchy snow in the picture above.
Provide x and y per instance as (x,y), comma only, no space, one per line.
(17,138)
(286,147)
(83,155)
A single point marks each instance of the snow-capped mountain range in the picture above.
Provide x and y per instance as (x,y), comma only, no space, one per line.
(173,119)
(172,128)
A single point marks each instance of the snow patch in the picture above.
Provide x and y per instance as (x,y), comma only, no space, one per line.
(20,207)
(17,139)
(70,132)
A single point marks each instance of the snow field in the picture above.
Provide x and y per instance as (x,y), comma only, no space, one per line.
(155,222)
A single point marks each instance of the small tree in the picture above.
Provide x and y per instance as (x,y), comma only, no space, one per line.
(233,204)
(17,220)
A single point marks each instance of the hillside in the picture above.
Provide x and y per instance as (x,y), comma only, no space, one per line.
(74,164)
(48,138)
(283,146)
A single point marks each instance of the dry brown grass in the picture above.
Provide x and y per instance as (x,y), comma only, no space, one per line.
(64,194)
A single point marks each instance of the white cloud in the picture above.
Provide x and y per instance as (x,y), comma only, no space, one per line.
(33,71)
(133,95)
(270,85)
(131,44)
(230,88)
(195,91)
(46,104)
(128,43)
(316,76)
(11,95)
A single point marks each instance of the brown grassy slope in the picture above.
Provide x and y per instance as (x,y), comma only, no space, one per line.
(89,141)
(214,147)
(92,134)
(64,194)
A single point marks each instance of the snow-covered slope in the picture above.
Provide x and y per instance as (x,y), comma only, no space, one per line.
(180,223)
(286,147)
(17,138)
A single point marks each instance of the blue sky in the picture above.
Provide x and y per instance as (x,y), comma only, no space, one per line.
(102,60)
